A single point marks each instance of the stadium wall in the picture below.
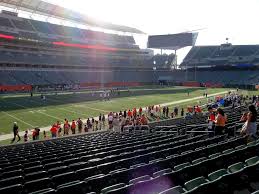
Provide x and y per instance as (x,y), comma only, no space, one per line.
(11,88)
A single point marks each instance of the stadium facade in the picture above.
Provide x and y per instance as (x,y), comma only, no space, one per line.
(41,54)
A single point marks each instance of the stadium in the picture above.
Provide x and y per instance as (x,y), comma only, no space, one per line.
(95,105)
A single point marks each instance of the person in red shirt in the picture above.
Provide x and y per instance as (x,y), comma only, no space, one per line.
(134,112)
(198,109)
(211,121)
(66,127)
(53,131)
(143,120)
(140,111)
(129,114)
(73,127)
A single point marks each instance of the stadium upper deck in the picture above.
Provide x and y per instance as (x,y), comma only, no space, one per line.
(225,54)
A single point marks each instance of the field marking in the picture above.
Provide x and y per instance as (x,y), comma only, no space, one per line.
(9,136)
(40,111)
(68,110)
(14,117)
(83,105)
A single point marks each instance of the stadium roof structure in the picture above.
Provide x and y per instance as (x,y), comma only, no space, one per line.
(172,41)
(44,8)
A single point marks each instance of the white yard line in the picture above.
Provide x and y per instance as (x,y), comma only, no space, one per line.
(101,110)
(36,111)
(16,119)
(9,136)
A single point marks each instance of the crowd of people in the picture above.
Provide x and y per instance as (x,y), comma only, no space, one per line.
(116,121)
(217,118)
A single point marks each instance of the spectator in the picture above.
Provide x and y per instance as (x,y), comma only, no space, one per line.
(120,113)
(164,109)
(88,123)
(96,125)
(73,127)
(134,112)
(125,114)
(86,128)
(167,111)
(110,120)
(182,112)
(220,122)
(44,134)
(249,128)
(143,120)
(15,132)
(26,136)
(59,128)
(79,125)
(37,133)
(122,123)
(129,113)
(211,121)
(93,121)
(116,124)
(176,111)
(140,111)
(103,120)
(100,118)
(66,127)
(53,131)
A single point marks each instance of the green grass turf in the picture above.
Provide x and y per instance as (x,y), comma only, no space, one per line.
(32,112)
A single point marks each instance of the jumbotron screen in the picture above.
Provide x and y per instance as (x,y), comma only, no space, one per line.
(172,41)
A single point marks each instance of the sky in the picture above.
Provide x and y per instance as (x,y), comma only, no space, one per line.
(235,19)
(218,19)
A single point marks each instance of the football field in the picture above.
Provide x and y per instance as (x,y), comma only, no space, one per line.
(34,112)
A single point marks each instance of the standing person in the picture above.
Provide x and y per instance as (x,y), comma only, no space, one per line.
(93,122)
(86,128)
(53,131)
(66,127)
(249,128)
(44,134)
(140,111)
(79,125)
(164,109)
(37,133)
(110,120)
(134,112)
(15,132)
(125,114)
(176,111)
(211,121)
(26,136)
(73,127)
(182,112)
(59,128)
(100,121)
(103,121)
(88,122)
(116,124)
(220,122)
(167,111)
